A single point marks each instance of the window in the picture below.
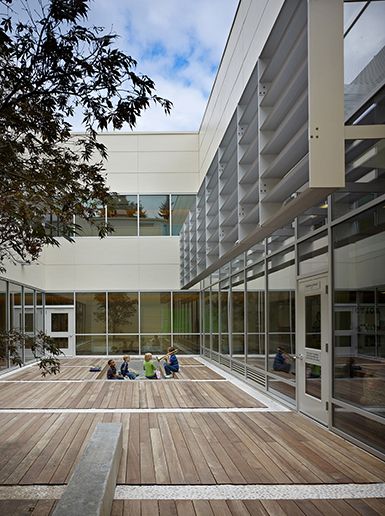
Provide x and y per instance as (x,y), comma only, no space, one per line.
(154,216)
(122,214)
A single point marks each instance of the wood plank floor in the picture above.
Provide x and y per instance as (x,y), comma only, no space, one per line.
(342,507)
(203,448)
(174,448)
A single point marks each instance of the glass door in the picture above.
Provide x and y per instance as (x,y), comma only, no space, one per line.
(312,348)
(60,327)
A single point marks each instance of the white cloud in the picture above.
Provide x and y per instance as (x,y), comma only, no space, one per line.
(178,43)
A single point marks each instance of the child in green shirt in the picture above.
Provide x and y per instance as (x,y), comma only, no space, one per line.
(149,367)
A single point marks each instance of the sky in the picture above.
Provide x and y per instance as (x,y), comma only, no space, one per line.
(178,43)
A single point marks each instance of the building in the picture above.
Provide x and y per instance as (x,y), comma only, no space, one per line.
(280,204)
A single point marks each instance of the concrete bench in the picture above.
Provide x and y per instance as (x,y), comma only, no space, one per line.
(91,488)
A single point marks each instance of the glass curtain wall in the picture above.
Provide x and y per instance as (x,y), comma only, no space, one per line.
(255,315)
(21,309)
(238,315)
(91,323)
(224,303)
(185,316)
(281,322)
(215,319)
(3,319)
(359,326)
(123,323)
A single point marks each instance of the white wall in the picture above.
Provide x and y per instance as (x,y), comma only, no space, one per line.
(138,163)
(252,25)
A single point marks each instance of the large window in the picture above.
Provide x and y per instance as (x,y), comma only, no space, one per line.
(281,309)
(359,311)
(133,215)
(91,313)
(123,312)
(155,312)
(255,315)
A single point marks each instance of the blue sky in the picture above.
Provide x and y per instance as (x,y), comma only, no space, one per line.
(178,43)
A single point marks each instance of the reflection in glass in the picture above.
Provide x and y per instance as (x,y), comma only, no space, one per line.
(91,345)
(155,312)
(282,389)
(313,380)
(155,344)
(3,306)
(122,214)
(363,56)
(313,255)
(3,316)
(362,428)
(224,300)
(59,322)
(214,342)
(59,298)
(29,311)
(313,321)
(154,217)
(281,306)
(359,311)
(238,346)
(256,350)
(206,312)
(186,312)
(85,228)
(123,344)
(91,312)
(187,344)
(61,343)
(224,345)
(123,312)
(180,206)
(365,171)
(237,298)
(214,311)
(351,11)
(15,306)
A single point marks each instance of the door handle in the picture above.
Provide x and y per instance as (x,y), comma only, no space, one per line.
(299,356)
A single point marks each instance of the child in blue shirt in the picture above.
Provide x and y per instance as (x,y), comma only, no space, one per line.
(172,365)
(124,370)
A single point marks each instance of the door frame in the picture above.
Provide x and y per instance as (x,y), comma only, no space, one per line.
(312,406)
(70,334)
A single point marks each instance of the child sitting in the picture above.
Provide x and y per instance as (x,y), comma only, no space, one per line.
(149,367)
(172,365)
(124,371)
(111,373)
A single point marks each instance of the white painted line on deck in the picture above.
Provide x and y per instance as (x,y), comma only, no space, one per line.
(211,492)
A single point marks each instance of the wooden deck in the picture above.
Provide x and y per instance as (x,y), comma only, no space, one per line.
(239,442)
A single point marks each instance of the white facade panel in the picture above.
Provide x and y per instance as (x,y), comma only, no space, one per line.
(171,142)
(175,183)
(175,162)
(118,141)
(122,162)
(123,183)
(159,277)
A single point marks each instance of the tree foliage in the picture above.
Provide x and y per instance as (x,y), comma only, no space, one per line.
(51,67)
(42,348)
